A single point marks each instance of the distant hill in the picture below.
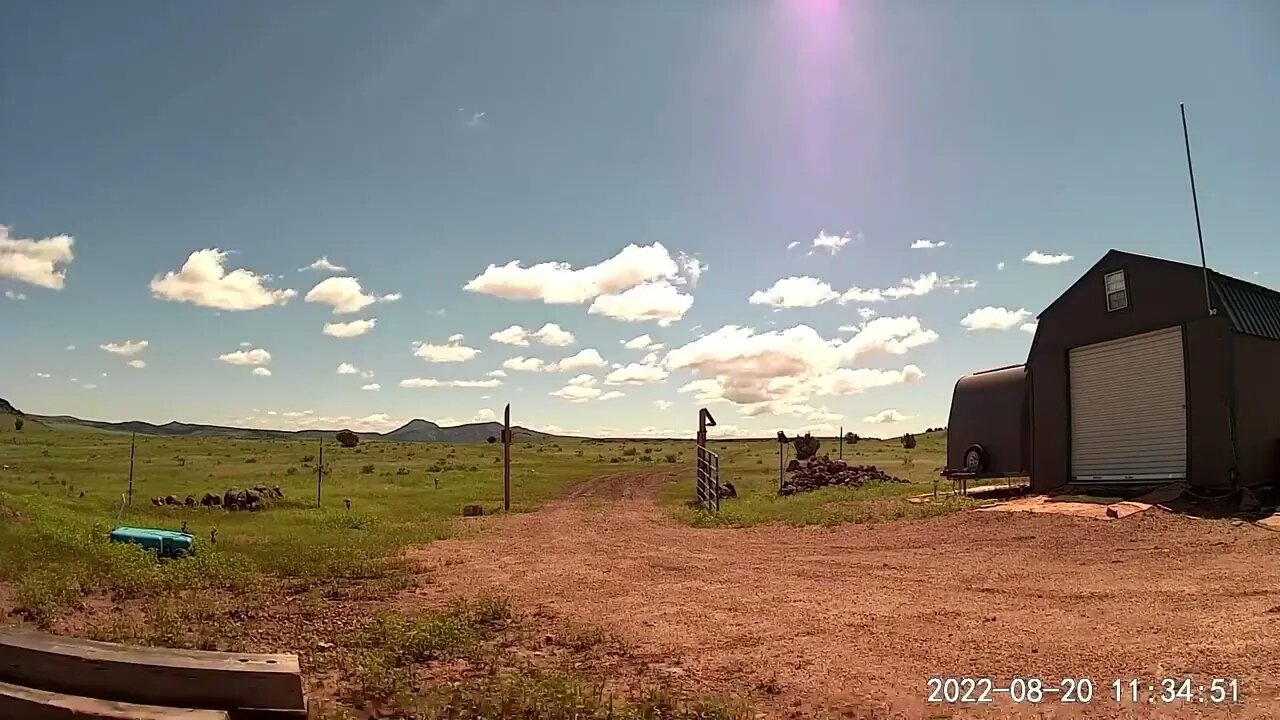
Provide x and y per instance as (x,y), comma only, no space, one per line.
(413,431)
(426,431)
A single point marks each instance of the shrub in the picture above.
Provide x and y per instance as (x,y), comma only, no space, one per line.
(629,452)
(491,439)
(806,446)
(615,459)
(648,451)
(308,459)
(671,458)
(291,471)
(18,423)
(908,441)
(851,438)
(347,439)
(366,469)
(250,461)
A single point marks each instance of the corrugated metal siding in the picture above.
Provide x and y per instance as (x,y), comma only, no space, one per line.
(1128,409)
(1252,309)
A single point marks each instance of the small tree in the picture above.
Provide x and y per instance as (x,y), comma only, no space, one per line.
(348,439)
(806,446)
(18,422)
(851,438)
(909,441)
(491,440)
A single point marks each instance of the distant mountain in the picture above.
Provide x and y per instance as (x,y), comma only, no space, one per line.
(426,431)
(413,431)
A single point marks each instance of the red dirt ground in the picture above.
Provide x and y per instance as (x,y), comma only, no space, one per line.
(849,622)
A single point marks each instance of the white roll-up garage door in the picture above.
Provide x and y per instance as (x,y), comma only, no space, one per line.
(1128,409)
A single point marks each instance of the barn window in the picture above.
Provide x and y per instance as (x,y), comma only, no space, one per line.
(1117,292)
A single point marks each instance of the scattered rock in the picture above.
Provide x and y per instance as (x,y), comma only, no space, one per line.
(157,501)
(190,501)
(1112,512)
(171,500)
(727,490)
(211,500)
(231,498)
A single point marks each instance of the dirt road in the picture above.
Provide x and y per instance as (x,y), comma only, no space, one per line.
(850,622)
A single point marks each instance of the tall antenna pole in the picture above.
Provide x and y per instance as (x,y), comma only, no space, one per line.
(133,443)
(1186,139)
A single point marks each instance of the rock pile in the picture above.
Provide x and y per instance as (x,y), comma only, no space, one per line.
(232,499)
(823,471)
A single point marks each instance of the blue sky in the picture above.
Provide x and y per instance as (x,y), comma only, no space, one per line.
(416,144)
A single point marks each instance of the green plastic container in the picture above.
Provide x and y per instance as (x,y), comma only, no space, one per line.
(164,543)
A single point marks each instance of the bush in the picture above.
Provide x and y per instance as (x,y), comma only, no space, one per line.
(250,461)
(806,446)
(615,459)
(366,469)
(648,451)
(671,458)
(291,471)
(629,452)
(347,439)
(491,439)
(18,423)
(909,441)
(851,438)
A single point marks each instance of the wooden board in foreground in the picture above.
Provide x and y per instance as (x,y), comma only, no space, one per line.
(29,704)
(234,682)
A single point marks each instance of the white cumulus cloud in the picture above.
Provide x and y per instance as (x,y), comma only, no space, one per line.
(345,295)
(663,404)
(355,328)
(831,243)
(926,244)
(204,281)
(424,383)
(793,244)
(636,374)
(43,375)
(1029,327)
(348,369)
(1000,265)
(908,287)
(610,395)
(1038,258)
(257,356)
(994,318)
(372,387)
(451,352)
(549,334)
(885,417)
(795,292)
(588,358)
(36,262)
(524,364)
(774,370)
(660,302)
(14,295)
(641,342)
(323,265)
(137,364)
(639,283)
(128,348)
(261,372)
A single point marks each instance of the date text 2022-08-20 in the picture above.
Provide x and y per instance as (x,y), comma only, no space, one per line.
(1217,691)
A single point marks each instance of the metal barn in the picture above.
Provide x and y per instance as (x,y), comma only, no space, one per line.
(1148,370)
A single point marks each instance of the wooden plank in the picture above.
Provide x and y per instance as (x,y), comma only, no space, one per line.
(150,676)
(29,704)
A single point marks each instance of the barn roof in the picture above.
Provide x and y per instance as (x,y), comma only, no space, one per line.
(1250,308)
